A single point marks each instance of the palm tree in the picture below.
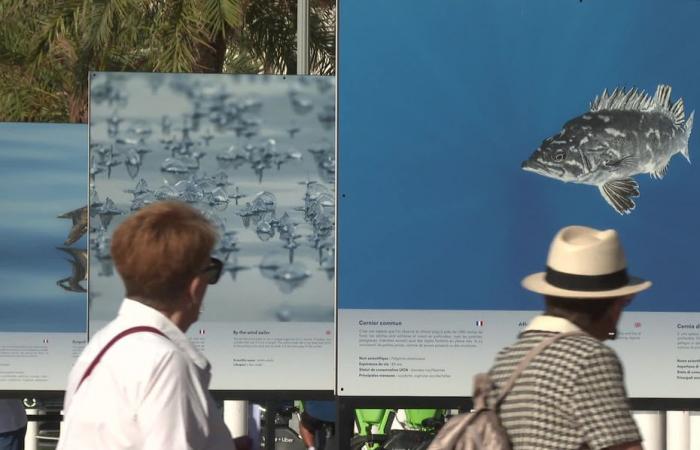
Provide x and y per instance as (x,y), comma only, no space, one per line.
(51,45)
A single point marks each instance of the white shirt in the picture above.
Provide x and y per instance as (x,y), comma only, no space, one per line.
(12,415)
(552,323)
(147,392)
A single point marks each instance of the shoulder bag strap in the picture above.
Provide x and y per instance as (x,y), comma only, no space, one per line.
(528,359)
(128,331)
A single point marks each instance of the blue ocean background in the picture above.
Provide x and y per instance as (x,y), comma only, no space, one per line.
(438,106)
(42,175)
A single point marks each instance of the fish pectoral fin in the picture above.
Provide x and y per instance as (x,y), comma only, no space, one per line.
(626,162)
(619,193)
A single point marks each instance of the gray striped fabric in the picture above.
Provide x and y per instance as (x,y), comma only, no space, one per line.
(572,395)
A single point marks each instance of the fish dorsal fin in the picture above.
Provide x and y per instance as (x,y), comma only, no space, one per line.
(619,193)
(638,100)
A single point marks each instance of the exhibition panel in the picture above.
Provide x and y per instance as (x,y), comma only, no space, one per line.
(256,154)
(499,123)
(43,263)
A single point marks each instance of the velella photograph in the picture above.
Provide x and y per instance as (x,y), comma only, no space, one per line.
(255,154)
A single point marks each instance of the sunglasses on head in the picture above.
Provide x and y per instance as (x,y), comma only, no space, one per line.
(213,270)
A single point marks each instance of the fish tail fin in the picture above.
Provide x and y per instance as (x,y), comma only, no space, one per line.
(688,129)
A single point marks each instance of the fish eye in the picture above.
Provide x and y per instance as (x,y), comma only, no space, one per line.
(559,155)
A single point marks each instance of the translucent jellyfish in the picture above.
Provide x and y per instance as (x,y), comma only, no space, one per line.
(286,226)
(271,262)
(300,105)
(133,163)
(110,162)
(167,192)
(140,188)
(284,314)
(289,277)
(327,117)
(265,231)
(107,211)
(251,105)
(140,130)
(189,191)
(221,179)
(228,242)
(95,202)
(218,198)
(102,247)
(236,195)
(142,200)
(232,266)
(264,201)
(174,166)
(229,155)
(328,264)
(190,162)
(166,125)
(324,84)
(142,150)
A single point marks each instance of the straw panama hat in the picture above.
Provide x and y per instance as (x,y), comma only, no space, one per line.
(585,263)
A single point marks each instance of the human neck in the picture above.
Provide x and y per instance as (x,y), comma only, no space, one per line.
(176,314)
(179,318)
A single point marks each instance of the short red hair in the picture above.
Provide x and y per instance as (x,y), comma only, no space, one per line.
(160,249)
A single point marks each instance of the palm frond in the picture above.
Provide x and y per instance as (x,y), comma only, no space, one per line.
(181,30)
(222,14)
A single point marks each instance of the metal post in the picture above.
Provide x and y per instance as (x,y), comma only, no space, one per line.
(345,420)
(694,425)
(677,430)
(30,438)
(652,425)
(269,430)
(236,417)
(302,37)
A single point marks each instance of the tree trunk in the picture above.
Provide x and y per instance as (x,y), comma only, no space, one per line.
(77,108)
(210,57)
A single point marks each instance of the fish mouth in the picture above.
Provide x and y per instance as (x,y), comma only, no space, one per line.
(533,166)
(541,169)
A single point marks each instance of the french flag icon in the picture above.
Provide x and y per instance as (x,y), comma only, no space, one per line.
(479,323)
(202,331)
(45,341)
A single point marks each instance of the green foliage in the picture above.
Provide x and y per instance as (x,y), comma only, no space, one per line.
(47,47)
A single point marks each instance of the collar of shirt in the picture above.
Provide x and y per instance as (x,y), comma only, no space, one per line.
(552,324)
(138,313)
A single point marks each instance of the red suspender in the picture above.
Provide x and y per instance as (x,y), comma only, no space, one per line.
(124,333)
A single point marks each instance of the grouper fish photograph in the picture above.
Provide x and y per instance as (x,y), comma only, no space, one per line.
(623,134)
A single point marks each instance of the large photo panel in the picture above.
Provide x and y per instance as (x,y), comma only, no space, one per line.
(43,262)
(256,154)
(500,123)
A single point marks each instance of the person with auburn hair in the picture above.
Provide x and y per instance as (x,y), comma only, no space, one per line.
(571,395)
(139,383)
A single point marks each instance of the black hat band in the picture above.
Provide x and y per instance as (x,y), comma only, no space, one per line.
(588,283)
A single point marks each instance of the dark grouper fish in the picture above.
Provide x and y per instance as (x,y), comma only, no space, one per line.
(624,133)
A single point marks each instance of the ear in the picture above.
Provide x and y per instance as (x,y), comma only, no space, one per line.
(197,288)
(618,306)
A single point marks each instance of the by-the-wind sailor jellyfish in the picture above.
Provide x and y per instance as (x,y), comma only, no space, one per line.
(174,166)
(189,191)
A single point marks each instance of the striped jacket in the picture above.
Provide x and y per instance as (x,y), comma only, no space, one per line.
(571,396)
